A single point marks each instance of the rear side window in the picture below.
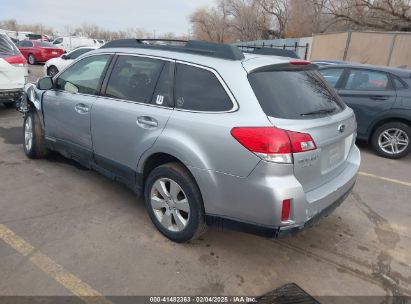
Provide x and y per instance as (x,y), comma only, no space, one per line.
(332,75)
(45,44)
(7,47)
(399,85)
(162,92)
(198,89)
(367,80)
(134,78)
(294,94)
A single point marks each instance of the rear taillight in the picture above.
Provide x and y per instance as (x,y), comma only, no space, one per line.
(273,144)
(286,210)
(17,60)
(299,62)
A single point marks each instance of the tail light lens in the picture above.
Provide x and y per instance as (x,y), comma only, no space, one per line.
(299,62)
(285,213)
(273,144)
(17,60)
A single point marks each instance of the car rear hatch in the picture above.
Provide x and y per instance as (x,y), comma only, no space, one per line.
(50,50)
(296,98)
(13,66)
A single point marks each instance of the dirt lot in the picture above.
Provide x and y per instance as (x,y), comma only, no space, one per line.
(65,230)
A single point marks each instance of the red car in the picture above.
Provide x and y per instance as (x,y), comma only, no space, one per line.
(38,51)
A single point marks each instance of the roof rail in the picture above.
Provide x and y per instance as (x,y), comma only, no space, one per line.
(210,49)
(262,50)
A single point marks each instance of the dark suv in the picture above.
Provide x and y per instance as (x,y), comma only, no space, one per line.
(381,99)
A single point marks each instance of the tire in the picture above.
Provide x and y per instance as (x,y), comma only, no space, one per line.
(10,105)
(52,71)
(180,226)
(31,59)
(35,147)
(392,140)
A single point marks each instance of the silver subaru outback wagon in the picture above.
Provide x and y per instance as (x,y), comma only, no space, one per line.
(207,134)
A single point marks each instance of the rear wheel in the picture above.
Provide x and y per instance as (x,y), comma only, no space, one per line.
(174,203)
(392,140)
(52,71)
(31,59)
(33,140)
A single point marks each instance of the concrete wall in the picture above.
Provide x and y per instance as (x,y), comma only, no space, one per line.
(330,47)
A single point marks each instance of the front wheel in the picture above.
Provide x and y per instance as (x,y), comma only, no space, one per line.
(174,203)
(52,71)
(33,140)
(392,140)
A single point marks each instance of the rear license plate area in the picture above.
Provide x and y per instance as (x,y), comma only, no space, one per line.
(332,156)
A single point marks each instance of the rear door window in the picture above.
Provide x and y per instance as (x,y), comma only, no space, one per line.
(332,75)
(294,94)
(367,80)
(134,78)
(198,89)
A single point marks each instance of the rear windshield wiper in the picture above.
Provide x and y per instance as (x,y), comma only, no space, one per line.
(321,111)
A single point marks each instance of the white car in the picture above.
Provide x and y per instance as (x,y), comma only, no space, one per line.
(68,44)
(55,65)
(13,72)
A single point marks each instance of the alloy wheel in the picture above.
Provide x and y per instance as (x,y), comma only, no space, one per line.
(28,133)
(393,141)
(170,204)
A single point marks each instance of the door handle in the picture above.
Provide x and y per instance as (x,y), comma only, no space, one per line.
(81,108)
(146,122)
(379,97)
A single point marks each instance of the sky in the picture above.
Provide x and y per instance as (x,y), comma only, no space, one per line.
(161,16)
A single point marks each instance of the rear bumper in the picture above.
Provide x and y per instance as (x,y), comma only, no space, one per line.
(10,95)
(254,203)
(273,232)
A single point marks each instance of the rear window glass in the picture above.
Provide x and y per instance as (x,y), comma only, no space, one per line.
(46,44)
(7,47)
(294,94)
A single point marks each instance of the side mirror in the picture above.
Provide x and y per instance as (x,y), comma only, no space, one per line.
(45,83)
(65,56)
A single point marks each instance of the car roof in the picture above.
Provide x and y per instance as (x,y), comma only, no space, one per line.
(403,73)
(249,62)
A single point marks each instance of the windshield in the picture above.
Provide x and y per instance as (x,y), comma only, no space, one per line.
(294,94)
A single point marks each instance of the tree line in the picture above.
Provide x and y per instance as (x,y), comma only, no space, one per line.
(242,20)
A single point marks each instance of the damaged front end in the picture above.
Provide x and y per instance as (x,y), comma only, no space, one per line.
(29,99)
